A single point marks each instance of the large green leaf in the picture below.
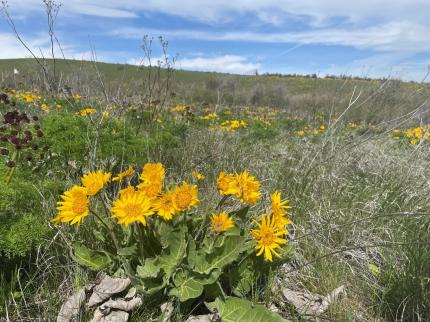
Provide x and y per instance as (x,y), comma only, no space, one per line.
(173,255)
(128,251)
(163,231)
(235,231)
(234,309)
(243,277)
(95,260)
(212,291)
(155,273)
(188,286)
(150,268)
(151,286)
(221,256)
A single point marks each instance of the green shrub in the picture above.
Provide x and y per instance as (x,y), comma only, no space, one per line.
(19,236)
(23,225)
(259,131)
(72,137)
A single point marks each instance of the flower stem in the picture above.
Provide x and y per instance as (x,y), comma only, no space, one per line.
(15,157)
(111,232)
(141,240)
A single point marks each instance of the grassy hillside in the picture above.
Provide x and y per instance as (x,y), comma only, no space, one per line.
(131,73)
(304,97)
(339,166)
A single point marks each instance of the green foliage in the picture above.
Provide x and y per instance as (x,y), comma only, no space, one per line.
(182,257)
(67,135)
(8,284)
(243,277)
(186,271)
(72,138)
(227,251)
(94,260)
(234,309)
(406,292)
(187,286)
(260,131)
(20,235)
(23,224)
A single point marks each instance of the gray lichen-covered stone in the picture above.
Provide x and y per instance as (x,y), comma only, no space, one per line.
(204,318)
(311,304)
(114,316)
(167,310)
(71,308)
(107,287)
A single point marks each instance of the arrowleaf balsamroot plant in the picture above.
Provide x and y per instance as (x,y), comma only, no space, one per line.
(161,240)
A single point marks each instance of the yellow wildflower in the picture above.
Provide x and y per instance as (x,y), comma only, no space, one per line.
(221,222)
(249,188)
(185,196)
(179,108)
(30,98)
(95,181)
(152,173)
(127,173)
(268,237)
(198,175)
(151,190)
(242,185)
(210,116)
(74,207)
(132,207)
(45,107)
(87,111)
(127,191)
(234,124)
(227,184)
(279,207)
(164,206)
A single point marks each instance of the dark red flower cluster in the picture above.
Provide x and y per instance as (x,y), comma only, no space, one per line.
(4,98)
(20,134)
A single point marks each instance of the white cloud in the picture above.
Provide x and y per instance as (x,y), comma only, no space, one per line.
(395,36)
(233,64)
(320,12)
(225,64)
(383,25)
(100,11)
(108,9)
(11,48)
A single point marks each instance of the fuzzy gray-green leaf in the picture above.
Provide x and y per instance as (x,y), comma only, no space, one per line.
(94,260)
(234,309)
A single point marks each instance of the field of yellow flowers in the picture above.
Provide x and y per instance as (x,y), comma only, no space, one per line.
(216,212)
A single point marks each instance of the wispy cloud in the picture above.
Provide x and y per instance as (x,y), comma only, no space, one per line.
(102,11)
(395,36)
(11,48)
(318,12)
(233,64)
(225,64)
(39,45)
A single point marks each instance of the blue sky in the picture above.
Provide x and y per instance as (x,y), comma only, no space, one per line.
(373,38)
